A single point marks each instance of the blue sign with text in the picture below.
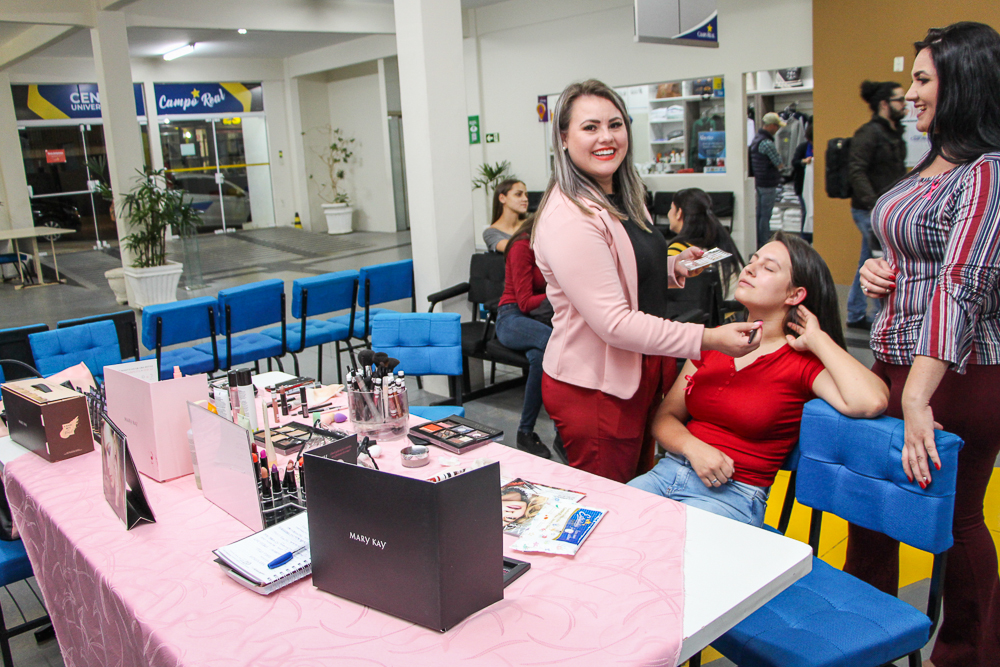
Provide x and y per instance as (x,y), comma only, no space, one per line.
(77,101)
(204,98)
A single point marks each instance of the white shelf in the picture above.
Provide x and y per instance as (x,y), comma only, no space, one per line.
(781,91)
(677,140)
(687,98)
(660,122)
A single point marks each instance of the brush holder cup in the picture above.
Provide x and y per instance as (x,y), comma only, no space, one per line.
(379,413)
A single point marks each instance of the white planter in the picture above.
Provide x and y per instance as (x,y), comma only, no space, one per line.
(156,284)
(116,280)
(338,218)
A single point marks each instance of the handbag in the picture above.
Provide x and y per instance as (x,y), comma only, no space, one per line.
(543,313)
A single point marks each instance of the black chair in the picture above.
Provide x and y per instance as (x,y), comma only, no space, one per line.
(128,337)
(14,346)
(485,288)
(700,301)
(534,199)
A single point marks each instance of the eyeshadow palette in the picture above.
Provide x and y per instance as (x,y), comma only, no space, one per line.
(292,436)
(456,434)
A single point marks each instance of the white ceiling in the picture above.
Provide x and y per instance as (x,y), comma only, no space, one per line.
(154,42)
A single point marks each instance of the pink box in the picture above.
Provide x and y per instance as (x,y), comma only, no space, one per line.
(154,417)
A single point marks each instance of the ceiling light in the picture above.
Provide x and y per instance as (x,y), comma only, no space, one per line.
(242,31)
(177,53)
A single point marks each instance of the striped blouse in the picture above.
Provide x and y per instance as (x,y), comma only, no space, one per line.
(942,234)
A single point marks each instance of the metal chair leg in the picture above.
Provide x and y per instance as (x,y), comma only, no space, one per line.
(786,507)
(695,660)
(915,660)
(319,364)
(340,368)
(296,360)
(493,372)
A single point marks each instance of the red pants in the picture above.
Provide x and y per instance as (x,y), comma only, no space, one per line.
(606,435)
(965,405)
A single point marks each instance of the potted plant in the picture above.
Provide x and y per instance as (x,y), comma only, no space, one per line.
(150,210)
(334,155)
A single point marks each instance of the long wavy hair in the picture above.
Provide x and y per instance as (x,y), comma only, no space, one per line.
(966,121)
(811,272)
(502,189)
(574,182)
(701,228)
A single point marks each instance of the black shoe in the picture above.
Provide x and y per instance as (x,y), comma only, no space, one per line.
(860,324)
(531,443)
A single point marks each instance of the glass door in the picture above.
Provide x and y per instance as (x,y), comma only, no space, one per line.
(217,163)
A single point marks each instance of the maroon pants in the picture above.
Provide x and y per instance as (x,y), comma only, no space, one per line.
(606,435)
(965,405)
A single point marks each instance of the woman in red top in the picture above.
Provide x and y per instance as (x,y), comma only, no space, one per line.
(728,424)
(524,293)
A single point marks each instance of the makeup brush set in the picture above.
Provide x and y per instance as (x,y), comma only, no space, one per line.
(376,398)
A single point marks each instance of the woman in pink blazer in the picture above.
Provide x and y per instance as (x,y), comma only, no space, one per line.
(607,271)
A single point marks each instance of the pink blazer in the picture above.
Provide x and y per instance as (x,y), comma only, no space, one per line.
(598,337)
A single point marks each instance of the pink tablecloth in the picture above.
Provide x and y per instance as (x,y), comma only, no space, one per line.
(154,596)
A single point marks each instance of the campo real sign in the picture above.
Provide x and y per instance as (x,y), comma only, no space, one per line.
(203,98)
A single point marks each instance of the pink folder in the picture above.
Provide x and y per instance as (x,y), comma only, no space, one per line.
(154,417)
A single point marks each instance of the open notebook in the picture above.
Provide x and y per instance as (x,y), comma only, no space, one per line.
(246,560)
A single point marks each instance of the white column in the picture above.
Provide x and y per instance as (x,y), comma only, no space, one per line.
(121,125)
(297,155)
(16,210)
(152,126)
(438,176)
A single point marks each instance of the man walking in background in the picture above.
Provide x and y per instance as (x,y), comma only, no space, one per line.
(766,166)
(875,163)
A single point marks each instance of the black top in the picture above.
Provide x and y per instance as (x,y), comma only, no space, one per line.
(651,264)
(876,162)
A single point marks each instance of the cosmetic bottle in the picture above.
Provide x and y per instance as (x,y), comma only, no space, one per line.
(244,385)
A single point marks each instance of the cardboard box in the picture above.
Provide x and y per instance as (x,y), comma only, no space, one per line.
(153,414)
(47,418)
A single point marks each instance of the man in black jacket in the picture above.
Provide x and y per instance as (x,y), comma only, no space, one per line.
(874,165)
(766,165)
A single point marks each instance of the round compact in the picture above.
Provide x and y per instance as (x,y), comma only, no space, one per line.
(415,456)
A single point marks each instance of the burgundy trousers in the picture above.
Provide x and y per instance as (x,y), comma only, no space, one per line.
(606,435)
(968,406)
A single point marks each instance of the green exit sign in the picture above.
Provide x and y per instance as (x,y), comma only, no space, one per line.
(473,129)
(493,138)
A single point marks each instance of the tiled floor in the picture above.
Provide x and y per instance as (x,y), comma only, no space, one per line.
(235,259)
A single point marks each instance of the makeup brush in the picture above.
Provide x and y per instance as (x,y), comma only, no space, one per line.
(391,364)
(380,359)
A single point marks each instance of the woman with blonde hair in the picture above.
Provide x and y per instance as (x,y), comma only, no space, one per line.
(607,270)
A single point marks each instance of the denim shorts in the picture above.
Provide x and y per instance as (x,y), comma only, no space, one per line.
(674,478)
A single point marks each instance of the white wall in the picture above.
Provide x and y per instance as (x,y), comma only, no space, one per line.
(529,48)
(357,108)
(314,110)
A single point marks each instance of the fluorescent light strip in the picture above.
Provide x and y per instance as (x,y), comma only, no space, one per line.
(177,53)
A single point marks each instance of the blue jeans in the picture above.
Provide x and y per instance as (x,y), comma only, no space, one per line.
(857,302)
(674,478)
(520,332)
(765,204)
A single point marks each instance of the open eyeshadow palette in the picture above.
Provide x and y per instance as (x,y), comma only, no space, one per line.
(456,434)
(293,436)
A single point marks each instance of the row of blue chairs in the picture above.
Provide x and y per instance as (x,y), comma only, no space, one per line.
(221,329)
(259,304)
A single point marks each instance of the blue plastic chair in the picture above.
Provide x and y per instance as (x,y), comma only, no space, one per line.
(249,307)
(851,467)
(14,567)
(425,344)
(128,338)
(380,283)
(95,344)
(181,322)
(319,295)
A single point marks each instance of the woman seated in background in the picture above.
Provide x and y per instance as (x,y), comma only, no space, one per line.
(727,424)
(510,207)
(692,220)
(524,323)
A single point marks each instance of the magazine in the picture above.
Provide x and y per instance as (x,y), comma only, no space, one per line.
(559,528)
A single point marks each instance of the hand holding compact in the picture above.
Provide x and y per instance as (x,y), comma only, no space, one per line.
(688,253)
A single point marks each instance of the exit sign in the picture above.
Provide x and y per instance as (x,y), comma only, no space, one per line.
(493,138)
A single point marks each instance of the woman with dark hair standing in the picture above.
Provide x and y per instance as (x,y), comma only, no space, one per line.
(937,339)
(523,295)
(733,422)
(510,208)
(606,270)
(875,163)
(693,221)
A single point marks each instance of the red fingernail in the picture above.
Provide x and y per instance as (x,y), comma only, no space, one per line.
(938,465)
(923,485)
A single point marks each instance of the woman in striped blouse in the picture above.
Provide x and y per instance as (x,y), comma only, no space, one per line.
(937,339)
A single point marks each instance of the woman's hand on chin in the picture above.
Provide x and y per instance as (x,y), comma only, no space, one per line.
(806,325)
(732,339)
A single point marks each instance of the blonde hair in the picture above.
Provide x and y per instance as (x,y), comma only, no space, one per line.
(578,185)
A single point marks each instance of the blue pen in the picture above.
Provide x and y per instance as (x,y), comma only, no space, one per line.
(285,557)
